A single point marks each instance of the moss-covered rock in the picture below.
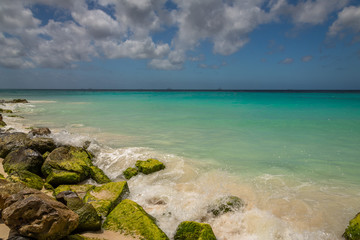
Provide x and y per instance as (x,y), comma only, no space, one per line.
(98,175)
(80,189)
(29,179)
(40,131)
(104,198)
(23,159)
(41,144)
(89,220)
(17,100)
(12,141)
(226,204)
(58,177)
(7,189)
(2,124)
(352,232)
(2,176)
(5,111)
(149,166)
(130,172)
(189,230)
(130,218)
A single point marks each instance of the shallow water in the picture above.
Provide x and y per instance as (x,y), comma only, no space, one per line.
(293,157)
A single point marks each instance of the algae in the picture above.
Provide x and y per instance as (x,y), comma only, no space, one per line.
(98,175)
(189,230)
(149,166)
(130,172)
(29,179)
(352,232)
(80,189)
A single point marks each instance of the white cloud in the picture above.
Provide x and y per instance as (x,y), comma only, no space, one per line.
(287,61)
(348,19)
(307,58)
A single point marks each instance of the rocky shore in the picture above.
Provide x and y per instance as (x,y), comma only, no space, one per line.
(45,193)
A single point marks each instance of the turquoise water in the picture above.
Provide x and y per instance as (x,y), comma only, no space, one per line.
(309,137)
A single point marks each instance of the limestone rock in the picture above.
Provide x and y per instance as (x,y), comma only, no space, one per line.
(189,230)
(226,204)
(11,141)
(130,218)
(29,179)
(23,159)
(130,172)
(104,198)
(149,166)
(40,131)
(89,220)
(42,144)
(36,215)
(352,232)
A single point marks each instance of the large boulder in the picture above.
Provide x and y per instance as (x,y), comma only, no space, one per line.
(98,175)
(27,178)
(41,144)
(7,189)
(226,204)
(352,232)
(149,166)
(34,214)
(23,159)
(12,141)
(130,218)
(104,198)
(80,189)
(40,131)
(68,165)
(189,230)
(89,220)
(130,172)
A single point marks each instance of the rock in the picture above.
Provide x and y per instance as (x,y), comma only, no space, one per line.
(17,101)
(2,123)
(41,144)
(104,198)
(2,176)
(80,189)
(130,172)
(226,204)
(12,141)
(149,166)
(1,117)
(89,220)
(352,232)
(194,231)
(81,237)
(13,235)
(5,111)
(7,189)
(40,131)
(29,179)
(23,159)
(98,175)
(69,165)
(36,215)
(130,218)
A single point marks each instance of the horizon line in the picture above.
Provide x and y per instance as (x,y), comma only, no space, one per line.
(180,90)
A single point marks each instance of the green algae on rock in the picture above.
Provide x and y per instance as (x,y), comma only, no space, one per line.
(29,179)
(98,175)
(23,159)
(80,189)
(2,176)
(41,144)
(105,198)
(130,218)
(352,232)
(12,141)
(226,204)
(81,237)
(149,166)
(2,124)
(189,230)
(5,111)
(130,172)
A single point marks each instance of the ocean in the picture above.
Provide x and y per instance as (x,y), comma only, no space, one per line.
(293,157)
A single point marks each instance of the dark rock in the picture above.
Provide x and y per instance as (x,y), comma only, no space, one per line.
(12,141)
(130,218)
(1,118)
(40,131)
(23,159)
(194,231)
(17,101)
(226,204)
(149,166)
(13,235)
(80,189)
(130,172)
(42,144)
(34,214)
(352,232)
(29,179)
(7,189)
(5,111)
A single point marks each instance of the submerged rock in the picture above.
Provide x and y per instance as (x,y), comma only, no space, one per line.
(149,166)
(40,131)
(29,179)
(226,204)
(352,232)
(89,220)
(5,111)
(12,141)
(2,123)
(104,198)
(130,218)
(41,144)
(80,189)
(23,159)
(17,100)
(130,172)
(34,214)
(189,230)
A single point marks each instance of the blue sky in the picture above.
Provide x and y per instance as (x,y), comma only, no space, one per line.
(192,44)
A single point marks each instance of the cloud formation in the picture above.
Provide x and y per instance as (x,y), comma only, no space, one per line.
(307,58)
(126,28)
(287,61)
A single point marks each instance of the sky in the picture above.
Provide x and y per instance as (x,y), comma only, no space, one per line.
(180,44)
